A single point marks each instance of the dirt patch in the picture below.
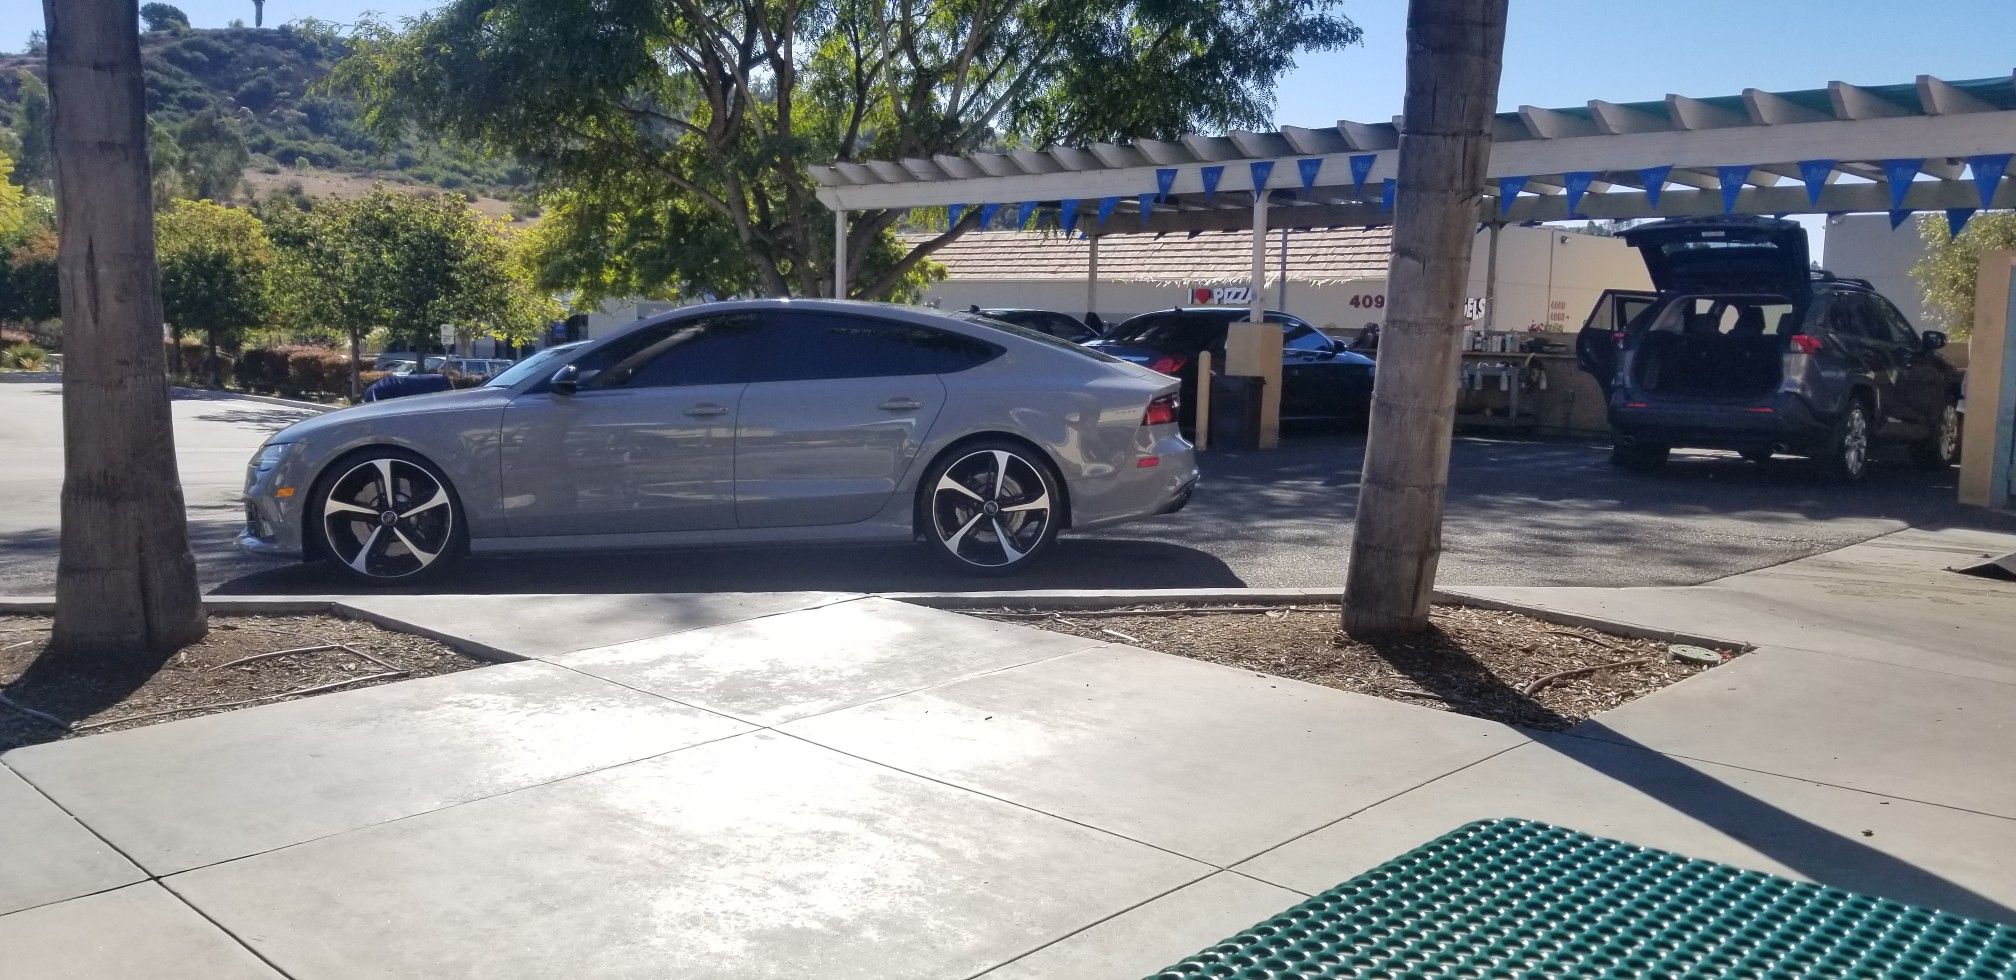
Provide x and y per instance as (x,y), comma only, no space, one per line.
(1502,666)
(230,668)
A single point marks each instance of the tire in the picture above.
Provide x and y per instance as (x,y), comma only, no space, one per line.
(990,507)
(1638,457)
(1758,456)
(1846,457)
(1942,448)
(425,533)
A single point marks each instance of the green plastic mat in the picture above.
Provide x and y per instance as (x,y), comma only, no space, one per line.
(1516,898)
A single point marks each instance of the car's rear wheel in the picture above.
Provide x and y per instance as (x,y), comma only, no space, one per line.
(1941,449)
(990,508)
(1638,456)
(1846,458)
(386,516)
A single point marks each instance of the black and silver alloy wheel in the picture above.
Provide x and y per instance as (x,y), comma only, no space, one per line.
(1848,454)
(387,518)
(990,509)
(1942,448)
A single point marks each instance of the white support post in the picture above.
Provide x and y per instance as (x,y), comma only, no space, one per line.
(1092,277)
(1282,286)
(839,254)
(1257,297)
(1253,348)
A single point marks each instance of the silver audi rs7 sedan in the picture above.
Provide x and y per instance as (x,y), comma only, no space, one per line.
(783,422)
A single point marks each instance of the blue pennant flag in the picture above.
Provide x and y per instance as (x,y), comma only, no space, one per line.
(1106,206)
(953,213)
(1211,175)
(1147,202)
(1508,188)
(1814,173)
(987,213)
(1732,178)
(1897,216)
(1956,219)
(1067,215)
(1309,168)
(1262,169)
(1165,178)
(1655,181)
(1899,174)
(1988,169)
(1578,185)
(1361,168)
(1386,191)
(1022,214)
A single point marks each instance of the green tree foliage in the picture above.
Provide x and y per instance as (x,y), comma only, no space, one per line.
(1951,265)
(666,117)
(215,269)
(402,264)
(163,17)
(27,252)
(212,156)
(13,201)
(31,124)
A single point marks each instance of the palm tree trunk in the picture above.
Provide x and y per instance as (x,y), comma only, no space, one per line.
(125,579)
(1454,48)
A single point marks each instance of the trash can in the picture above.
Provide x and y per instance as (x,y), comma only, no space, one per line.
(1235,411)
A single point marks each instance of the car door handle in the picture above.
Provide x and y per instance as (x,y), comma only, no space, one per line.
(706,410)
(901,405)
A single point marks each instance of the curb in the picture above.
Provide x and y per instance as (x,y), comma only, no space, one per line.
(201,393)
(265,605)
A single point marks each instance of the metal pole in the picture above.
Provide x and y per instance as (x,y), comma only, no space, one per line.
(839,254)
(1491,277)
(1092,277)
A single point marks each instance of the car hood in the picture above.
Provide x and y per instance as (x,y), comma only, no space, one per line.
(1737,253)
(466,399)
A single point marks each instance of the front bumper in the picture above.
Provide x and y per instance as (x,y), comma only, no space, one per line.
(273,523)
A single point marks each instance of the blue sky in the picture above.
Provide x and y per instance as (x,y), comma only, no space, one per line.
(1557,52)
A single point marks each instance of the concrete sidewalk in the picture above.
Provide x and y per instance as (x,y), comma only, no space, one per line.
(794,785)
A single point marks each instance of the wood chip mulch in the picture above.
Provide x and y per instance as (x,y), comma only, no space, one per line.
(48,701)
(1503,666)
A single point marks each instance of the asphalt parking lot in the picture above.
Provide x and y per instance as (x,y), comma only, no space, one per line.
(1519,513)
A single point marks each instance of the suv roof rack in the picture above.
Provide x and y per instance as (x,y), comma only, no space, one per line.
(1822,275)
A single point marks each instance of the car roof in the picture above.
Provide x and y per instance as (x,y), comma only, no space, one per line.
(917,315)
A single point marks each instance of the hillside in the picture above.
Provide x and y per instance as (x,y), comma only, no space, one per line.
(265,82)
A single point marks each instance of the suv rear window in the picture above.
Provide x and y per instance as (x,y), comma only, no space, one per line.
(1728,316)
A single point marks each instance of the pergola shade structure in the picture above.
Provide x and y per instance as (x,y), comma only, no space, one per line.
(1929,145)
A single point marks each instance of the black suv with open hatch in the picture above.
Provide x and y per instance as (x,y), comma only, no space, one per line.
(1745,347)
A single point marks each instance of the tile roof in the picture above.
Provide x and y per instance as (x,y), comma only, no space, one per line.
(1315,256)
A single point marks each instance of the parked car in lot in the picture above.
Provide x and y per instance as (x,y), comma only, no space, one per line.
(1320,377)
(1744,347)
(1062,326)
(755,422)
(474,367)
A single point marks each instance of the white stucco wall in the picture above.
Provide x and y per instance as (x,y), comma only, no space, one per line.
(1545,275)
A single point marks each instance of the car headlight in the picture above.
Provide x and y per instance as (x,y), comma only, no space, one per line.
(270,455)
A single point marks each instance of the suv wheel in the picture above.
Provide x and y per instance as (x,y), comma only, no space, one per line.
(1942,448)
(1847,456)
(1639,457)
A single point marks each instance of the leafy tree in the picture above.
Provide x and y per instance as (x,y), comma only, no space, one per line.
(163,17)
(13,201)
(215,264)
(31,124)
(28,289)
(213,156)
(401,264)
(1952,265)
(694,120)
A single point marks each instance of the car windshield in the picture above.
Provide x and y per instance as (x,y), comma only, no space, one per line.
(531,366)
(1036,335)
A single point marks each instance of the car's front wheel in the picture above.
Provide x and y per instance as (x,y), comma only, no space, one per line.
(386,516)
(1941,449)
(989,508)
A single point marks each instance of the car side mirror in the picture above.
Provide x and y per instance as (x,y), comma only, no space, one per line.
(565,381)
(1932,340)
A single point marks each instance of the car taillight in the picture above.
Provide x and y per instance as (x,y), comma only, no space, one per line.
(1161,411)
(1169,363)
(1805,343)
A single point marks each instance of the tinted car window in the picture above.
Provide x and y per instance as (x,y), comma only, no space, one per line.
(1900,328)
(1857,316)
(546,361)
(1036,335)
(703,351)
(1172,332)
(819,346)
(1297,335)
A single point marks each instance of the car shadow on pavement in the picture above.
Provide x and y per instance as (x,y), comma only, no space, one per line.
(1073,563)
(1807,848)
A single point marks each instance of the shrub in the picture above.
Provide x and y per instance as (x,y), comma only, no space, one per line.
(13,338)
(24,357)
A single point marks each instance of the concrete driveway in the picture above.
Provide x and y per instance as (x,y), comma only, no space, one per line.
(1520,513)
